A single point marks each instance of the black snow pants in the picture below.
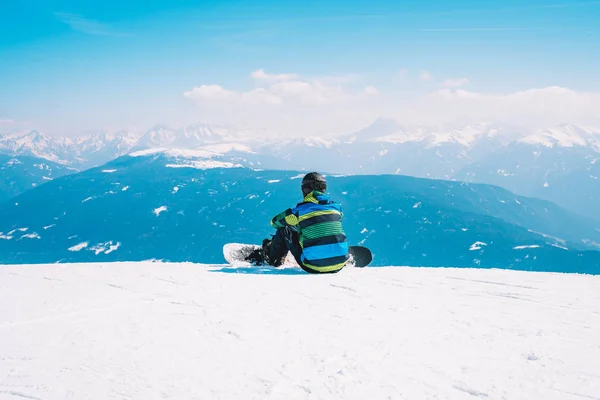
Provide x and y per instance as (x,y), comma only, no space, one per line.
(287,239)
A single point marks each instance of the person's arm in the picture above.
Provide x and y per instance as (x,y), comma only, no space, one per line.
(285,218)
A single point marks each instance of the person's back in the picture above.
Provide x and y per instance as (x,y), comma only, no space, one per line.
(321,234)
(312,231)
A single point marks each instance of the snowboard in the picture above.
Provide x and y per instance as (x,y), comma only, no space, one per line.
(236,253)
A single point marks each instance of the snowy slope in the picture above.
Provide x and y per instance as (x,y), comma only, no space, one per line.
(181,205)
(185,331)
(21,173)
(35,144)
(100,146)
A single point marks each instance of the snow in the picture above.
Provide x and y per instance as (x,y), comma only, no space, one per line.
(531,246)
(566,135)
(109,170)
(316,141)
(33,235)
(147,152)
(160,209)
(79,246)
(105,248)
(556,239)
(152,330)
(477,246)
(205,164)
(223,148)
(18,229)
(184,153)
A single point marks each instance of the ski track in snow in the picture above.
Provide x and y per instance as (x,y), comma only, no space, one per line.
(152,330)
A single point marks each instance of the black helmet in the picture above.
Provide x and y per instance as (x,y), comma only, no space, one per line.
(313,181)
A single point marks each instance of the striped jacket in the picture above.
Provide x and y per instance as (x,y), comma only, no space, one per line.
(322,237)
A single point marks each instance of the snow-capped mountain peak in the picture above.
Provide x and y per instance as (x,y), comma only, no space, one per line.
(565,135)
(380,128)
(33,143)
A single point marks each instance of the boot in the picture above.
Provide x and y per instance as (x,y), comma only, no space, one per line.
(256,257)
(259,256)
(266,248)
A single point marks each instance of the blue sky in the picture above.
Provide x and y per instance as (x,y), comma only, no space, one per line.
(67,66)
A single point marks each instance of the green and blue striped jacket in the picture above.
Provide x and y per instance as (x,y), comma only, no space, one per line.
(322,237)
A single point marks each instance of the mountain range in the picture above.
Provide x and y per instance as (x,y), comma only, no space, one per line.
(551,163)
(21,173)
(176,205)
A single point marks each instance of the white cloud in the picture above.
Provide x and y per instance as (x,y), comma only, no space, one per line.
(82,24)
(425,75)
(453,83)
(289,104)
(8,125)
(371,90)
(210,92)
(342,79)
(218,93)
(310,107)
(280,89)
(400,75)
(261,75)
(314,93)
(543,106)
(260,96)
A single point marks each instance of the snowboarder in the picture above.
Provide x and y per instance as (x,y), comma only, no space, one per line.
(312,231)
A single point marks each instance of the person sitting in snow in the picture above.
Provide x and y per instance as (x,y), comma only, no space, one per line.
(312,231)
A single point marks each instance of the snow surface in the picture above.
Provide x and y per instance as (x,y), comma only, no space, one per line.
(223,148)
(107,247)
(152,330)
(33,235)
(78,247)
(566,135)
(175,152)
(204,164)
(160,209)
(477,246)
(527,246)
